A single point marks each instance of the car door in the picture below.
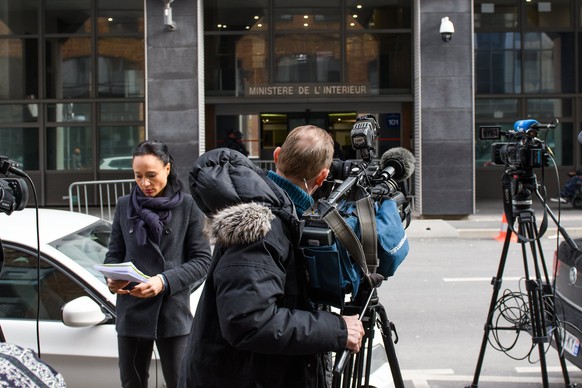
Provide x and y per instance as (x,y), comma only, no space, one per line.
(87,356)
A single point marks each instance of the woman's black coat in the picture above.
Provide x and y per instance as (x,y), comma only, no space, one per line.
(183,256)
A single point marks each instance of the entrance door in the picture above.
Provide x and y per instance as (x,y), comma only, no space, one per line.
(276,126)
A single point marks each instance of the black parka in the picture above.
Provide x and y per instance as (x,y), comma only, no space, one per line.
(254,326)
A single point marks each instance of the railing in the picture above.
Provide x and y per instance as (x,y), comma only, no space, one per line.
(103,193)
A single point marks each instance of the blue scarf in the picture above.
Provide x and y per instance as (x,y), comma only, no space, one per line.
(148,214)
(299,197)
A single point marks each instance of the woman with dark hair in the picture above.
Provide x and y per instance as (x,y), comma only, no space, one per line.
(158,227)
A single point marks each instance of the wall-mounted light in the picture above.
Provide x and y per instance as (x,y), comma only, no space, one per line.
(447,29)
(169,23)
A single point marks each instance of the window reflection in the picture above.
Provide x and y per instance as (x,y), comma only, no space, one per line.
(19,17)
(20,145)
(303,59)
(121,67)
(548,62)
(68,68)
(69,148)
(18,59)
(118,141)
(498,62)
(68,16)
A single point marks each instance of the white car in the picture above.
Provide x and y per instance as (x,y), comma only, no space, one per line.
(76,329)
(117,163)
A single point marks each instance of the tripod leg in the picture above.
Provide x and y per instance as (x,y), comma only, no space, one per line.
(496,282)
(387,328)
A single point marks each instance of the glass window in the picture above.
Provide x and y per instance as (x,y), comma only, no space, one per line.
(379,14)
(72,111)
(497,62)
(118,142)
(548,62)
(294,16)
(18,287)
(307,58)
(19,17)
(383,61)
(246,125)
(499,108)
(122,111)
(121,64)
(547,109)
(68,16)
(561,141)
(233,63)
(548,14)
(496,14)
(120,17)
(16,113)
(20,145)
(226,15)
(68,68)
(69,148)
(18,68)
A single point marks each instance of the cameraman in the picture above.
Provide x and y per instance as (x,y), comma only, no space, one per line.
(255,325)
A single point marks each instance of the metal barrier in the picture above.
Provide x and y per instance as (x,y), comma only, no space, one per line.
(103,193)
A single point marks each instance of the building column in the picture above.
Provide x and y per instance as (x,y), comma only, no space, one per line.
(444,110)
(172,81)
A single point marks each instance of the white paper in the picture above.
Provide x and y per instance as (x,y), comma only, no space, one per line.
(122,271)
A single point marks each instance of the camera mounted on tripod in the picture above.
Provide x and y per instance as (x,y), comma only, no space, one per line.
(354,233)
(523,149)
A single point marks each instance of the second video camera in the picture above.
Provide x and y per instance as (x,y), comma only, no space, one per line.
(523,149)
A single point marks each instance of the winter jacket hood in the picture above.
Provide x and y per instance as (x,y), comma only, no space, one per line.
(237,196)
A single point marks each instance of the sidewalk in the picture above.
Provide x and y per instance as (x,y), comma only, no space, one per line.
(487,222)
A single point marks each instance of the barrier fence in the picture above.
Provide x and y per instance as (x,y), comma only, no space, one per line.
(99,197)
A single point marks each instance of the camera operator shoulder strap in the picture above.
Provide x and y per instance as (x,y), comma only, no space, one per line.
(365,253)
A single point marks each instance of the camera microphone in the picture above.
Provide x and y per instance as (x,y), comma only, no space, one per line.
(526,125)
(397,163)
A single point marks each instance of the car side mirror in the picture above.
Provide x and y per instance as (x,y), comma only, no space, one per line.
(82,312)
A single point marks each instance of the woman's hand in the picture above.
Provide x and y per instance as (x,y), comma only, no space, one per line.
(148,289)
(116,286)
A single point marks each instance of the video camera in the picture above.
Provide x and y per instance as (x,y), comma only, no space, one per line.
(524,150)
(13,191)
(341,241)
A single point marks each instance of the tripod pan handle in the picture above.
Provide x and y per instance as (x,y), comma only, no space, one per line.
(341,362)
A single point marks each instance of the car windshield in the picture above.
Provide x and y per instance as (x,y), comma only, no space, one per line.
(87,246)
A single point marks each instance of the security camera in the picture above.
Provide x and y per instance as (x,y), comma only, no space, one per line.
(168,21)
(447,29)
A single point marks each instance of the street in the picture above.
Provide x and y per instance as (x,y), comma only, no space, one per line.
(439,299)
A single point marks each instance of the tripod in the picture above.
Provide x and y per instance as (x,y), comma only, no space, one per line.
(518,187)
(354,370)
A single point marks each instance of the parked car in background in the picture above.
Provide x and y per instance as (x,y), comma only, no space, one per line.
(117,163)
(568,299)
(76,326)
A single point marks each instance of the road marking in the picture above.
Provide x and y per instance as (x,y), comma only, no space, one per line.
(478,279)
(537,369)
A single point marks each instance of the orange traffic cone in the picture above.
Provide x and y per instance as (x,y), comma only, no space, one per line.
(503,232)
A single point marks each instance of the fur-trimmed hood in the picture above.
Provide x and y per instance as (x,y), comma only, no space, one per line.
(237,197)
(240,224)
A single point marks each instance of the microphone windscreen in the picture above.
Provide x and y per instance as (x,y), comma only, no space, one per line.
(524,125)
(402,160)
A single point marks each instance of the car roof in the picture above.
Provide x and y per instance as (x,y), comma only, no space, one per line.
(53,223)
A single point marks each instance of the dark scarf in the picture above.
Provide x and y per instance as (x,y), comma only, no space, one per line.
(148,214)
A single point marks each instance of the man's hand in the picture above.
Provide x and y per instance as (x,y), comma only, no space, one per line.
(116,286)
(355,332)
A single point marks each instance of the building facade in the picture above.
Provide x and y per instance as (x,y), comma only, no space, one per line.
(82,81)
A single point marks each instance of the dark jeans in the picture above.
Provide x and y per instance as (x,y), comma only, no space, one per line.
(135,355)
